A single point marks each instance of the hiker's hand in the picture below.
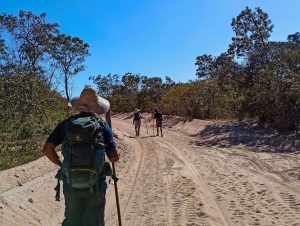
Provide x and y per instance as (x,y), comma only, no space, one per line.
(115,158)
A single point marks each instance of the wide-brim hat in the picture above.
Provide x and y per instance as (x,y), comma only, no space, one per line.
(137,110)
(90,101)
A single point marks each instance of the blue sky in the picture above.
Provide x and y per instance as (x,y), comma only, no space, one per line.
(153,37)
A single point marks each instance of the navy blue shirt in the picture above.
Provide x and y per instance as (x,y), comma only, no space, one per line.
(57,136)
(158,116)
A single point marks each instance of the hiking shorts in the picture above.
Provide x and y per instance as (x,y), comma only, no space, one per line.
(84,208)
(158,123)
(137,124)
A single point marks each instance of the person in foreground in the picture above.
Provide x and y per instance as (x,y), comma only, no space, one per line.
(159,120)
(85,139)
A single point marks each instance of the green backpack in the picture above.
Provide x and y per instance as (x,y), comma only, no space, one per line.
(83,151)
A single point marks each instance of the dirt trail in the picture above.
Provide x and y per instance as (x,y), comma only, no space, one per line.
(171,181)
(164,188)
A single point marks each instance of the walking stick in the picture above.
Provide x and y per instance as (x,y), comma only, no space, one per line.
(108,120)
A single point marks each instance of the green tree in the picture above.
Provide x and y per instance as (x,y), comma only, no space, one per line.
(252,30)
(151,93)
(123,99)
(69,54)
(106,84)
(169,82)
(204,65)
(132,82)
(27,38)
(250,47)
(294,38)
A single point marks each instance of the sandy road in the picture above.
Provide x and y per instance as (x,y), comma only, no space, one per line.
(163,186)
(170,181)
(179,183)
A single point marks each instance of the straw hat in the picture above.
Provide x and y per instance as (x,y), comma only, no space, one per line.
(137,110)
(90,101)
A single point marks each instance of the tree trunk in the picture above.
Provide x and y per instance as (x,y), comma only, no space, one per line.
(66,87)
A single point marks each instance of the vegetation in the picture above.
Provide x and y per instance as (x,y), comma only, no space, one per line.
(255,78)
(34,60)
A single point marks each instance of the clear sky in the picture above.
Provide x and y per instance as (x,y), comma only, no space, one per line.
(153,37)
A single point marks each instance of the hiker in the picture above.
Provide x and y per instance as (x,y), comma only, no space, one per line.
(85,139)
(158,116)
(137,117)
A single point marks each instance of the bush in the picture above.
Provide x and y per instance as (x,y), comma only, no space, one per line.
(30,110)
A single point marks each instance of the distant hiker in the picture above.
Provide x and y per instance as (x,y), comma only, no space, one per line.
(159,119)
(137,116)
(85,139)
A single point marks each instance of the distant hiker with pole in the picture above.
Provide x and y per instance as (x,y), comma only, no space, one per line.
(137,117)
(85,139)
(159,119)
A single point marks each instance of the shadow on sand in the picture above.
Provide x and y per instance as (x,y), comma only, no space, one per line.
(143,137)
(252,135)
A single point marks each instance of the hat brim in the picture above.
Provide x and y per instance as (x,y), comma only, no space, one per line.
(101,106)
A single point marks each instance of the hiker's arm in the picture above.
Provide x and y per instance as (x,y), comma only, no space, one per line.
(49,151)
(54,139)
(110,144)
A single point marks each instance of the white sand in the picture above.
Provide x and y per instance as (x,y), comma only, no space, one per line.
(169,181)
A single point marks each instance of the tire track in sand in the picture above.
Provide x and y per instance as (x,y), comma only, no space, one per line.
(208,203)
(145,204)
(167,190)
(128,181)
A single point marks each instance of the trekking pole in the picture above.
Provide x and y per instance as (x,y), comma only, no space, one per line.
(108,120)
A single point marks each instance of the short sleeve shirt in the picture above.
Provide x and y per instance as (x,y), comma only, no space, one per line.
(57,135)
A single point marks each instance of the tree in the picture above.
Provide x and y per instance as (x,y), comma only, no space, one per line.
(169,82)
(69,54)
(250,43)
(293,54)
(252,30)
(123,99)
(132,82)
(151,93)
(294,38)
(106,84)
(27,38)
(224,69)
(2,56)
(205,66)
